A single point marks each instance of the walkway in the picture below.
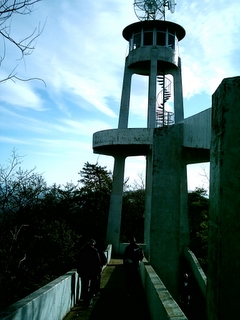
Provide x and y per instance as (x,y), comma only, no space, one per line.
(113,303)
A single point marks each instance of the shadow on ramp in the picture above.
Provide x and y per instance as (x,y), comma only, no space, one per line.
(114,302)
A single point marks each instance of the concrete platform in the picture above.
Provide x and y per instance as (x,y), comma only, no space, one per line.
(113,302)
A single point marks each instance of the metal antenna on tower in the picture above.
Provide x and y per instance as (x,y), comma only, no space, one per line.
(153,9)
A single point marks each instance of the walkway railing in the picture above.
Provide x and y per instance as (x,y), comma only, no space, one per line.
(55,300)
(160,302)
(51,302)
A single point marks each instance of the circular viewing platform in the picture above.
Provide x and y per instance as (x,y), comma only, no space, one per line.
(153,38)
(129,142)
(153,32)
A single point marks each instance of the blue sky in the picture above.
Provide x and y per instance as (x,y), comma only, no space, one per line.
(80,56)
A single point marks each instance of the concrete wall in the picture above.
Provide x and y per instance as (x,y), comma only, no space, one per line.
(108,253)
(224,213)
(160,302)
(146,53)
(51,302)
(127,142)
(197,130)
(54,301)
(168,225)
(128,136)
(197,271)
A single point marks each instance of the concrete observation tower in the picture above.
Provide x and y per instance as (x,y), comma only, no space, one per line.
(153,53)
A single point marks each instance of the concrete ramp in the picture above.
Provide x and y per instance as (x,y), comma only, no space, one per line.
(113,302)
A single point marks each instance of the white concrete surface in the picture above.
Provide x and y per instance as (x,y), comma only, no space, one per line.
(160,302)
(51,302)
(197,130)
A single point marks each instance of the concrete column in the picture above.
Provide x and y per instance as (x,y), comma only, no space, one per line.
(168,178)
(184,220)
(148,203)
(115,209)
(224,225)
(178,94)
(152,92)
(125,100)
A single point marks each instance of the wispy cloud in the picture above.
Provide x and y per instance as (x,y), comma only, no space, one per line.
(89,89)
(80,55)
(20,94)
(13,141)
(206,52)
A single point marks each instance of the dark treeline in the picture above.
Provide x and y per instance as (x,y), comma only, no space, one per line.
(198,205)
(42,228)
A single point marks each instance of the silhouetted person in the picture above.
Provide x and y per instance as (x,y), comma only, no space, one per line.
(88,267)
(185,292)
(133,254)
(103,261)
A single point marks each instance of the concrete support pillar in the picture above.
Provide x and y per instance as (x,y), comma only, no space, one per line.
(125,101)
(184,237)
(224,225)
(178,94)
(148,203)
(152,92)
(169,189)
(115,209)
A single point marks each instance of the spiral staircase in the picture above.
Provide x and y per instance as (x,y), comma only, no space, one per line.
(163,117)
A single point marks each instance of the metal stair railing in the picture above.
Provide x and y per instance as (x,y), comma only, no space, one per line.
(163,117)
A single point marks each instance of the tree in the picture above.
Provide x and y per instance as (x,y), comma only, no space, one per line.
(95,178)
(9,9)
(95,199)
(133,215)
(19,190)
(198,205)
(41,227)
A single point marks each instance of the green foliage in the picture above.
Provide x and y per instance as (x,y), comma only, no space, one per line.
(198,205)
(42,227)
(95,199)
(95,178)
(133,215)
(19,189)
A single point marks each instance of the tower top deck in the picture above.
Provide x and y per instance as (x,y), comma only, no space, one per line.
(160,25)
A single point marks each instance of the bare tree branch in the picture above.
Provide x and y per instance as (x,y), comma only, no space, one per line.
(205,174)
(18,188)
(26,45)
(13,76)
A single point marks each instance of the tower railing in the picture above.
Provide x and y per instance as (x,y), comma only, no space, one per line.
(163,117)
